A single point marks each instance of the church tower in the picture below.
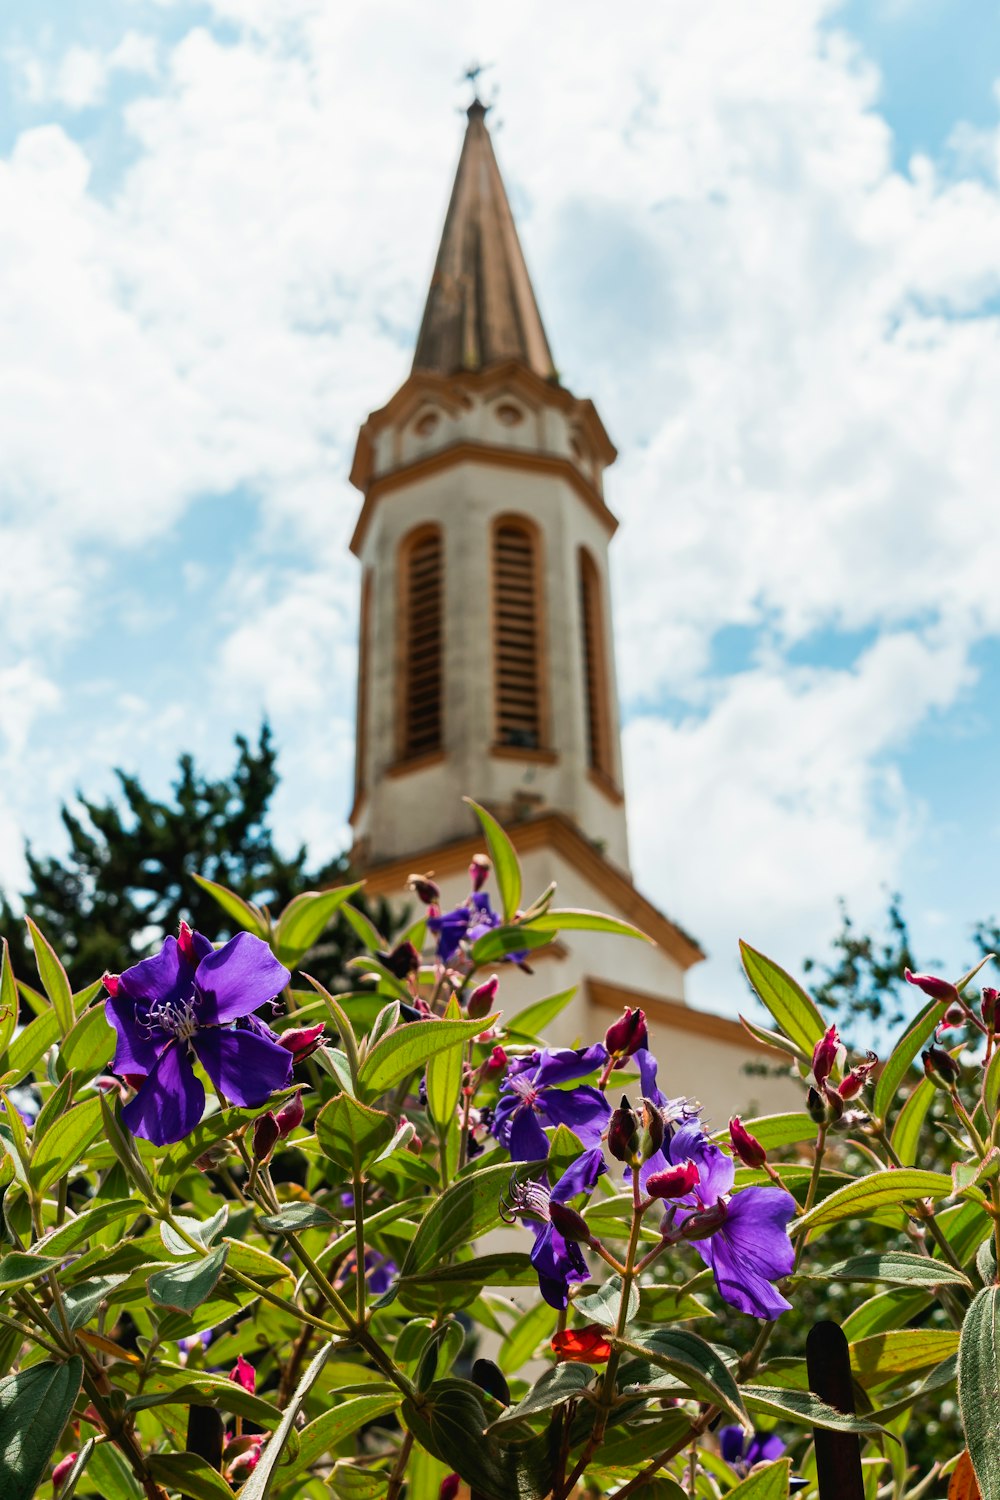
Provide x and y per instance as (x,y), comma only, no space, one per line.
(486,657)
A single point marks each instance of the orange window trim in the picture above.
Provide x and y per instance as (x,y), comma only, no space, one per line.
(420,675)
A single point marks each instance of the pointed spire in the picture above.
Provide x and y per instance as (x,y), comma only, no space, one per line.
(480,309)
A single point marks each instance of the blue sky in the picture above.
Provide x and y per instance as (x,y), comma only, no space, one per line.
(766,241)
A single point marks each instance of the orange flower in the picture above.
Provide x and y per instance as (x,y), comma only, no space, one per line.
(586,1345)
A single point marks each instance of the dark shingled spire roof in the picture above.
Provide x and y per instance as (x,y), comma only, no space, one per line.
(480,309)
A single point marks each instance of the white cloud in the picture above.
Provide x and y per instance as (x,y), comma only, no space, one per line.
(79,77)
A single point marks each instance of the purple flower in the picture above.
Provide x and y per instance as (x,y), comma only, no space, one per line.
(180,1005)
(449,927)
(741,1451)
(558,1261)
(531,1094)
(380,1272)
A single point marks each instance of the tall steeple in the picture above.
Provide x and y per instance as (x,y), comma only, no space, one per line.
(481,308)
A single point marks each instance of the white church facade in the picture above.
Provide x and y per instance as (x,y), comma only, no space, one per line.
(486,659)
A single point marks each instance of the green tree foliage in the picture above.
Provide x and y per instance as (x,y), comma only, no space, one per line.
(127,878)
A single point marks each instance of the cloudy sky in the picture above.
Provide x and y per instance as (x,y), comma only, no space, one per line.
(766,240)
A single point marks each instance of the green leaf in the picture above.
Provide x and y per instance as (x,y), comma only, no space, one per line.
(190,1475)
(693,1361)
(364,928)
(215,1128)
(534,1019)
(464,1211)
(538,1323)
(68,1236)
(791,1007)
(83,1300)
(37,1037)
(324,1433)
(69,1484)
(54,1107)
(8,998)
(111,1476)
(775,1040)
(991,1086)
(895,1186)
(90,1045)
(244,913)
(183,1288)
(444,1075)
(802,1407)
(766,1484)
(352,1134)
(35,1406)
(900,1060)
(410,1047)
(451,1425)
(19,1267)
(297,1216)
(604,1305)
(63,1145)
(303,920)
(628,1449)
(53,977)
(775,1130)
(503,941)
(979,1388)
(563,1383)
(259,1485)
(896,1267)
(905,1138)
(506,866)
(902,1352)
(575,919)
(512,1268)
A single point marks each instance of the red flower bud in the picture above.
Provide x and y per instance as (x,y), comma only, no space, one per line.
(675,1182)
(450,1486)
(265,1136)
(290,1116)
(570,1224)
(940,1066)
(825,1056)
(62,1470)
(584,1345)
(934,988)
(496,1062)
(479,871)
(244,1374)
(623,1134)
(424,888)
(988,1004)
(301,1041)
(626,1035)
(402,961)
(854,1081)
(185,942)
(481,1000)
(745,1146)
(134,1080)
(110,983)
(653,1130)
(953,1016)
(699,1226)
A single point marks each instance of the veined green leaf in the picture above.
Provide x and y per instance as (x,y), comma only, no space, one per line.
(791,1007)
(604,1305)
(260,1483)
(902,1352)
(692,1361)
(896,1267)
(35,1406)
(243,913)
(409,1047)
(444,1075)
(65,1142)
(533,1019)
(775,1040)
(363,927)
(802,1407)
(19,1267)
(330,1428)
(184,1287)
(900,1060)
(564,1383)
(8,998)
(506,866)
(502,941)
(534,1325)
(978,1387)
(83,1300)
(304,918)
(463,1212)
(775,1130)
(905,1138)
(53,1109)
(895,1186)
(295,1217)
(991,1086)
(73,1233)
(576,919)
(352,1134)
(512,1268)
(53,977)
(91,1043)
(37,1037)
(766,1484)
(110,1476)
(190,1475)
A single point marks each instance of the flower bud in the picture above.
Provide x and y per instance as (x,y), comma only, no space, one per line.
(110,983)
(301,1041)
(853,1082)
(450,1486)
(185,942)
(626,1035)
(244,1374)
(940,1067)
(745,1146)
(623,1134)
(953,1016)
(817,1107)
(675,1182)
(934,988)
(653,1130)
(584,1345)
(479,871)
(989,1004)
(61,1472)
(570,1224)
(481,1000)
(265,1136)
(290,1116)
(424,888)
(700,1225)
(495,1063)
(825,1056)
(402,961)
(490,1378)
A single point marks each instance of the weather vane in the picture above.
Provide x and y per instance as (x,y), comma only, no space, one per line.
(471,76)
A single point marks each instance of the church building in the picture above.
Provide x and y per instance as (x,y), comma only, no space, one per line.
(486,659)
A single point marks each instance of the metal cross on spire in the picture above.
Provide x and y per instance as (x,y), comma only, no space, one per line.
(471,75)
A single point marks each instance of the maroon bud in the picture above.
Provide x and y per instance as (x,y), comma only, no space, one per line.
(265,1136)
(653,1130)
(934,988)
(450,1486)
(301,1041)
(940,1066)
(675,1182)
(402,961)
(854,1081)
(110,983)
(481,1000)
(699,1226)
(185,942)
(825,1056)
(623,1134)
(134,1080)
(479,871)
(290,1116)
(424,888)
(570,1224)
(817,1107)
(244,1374)
(626,1035)
(745,1146)
(496,1062)
(61,1471)
(989,1004)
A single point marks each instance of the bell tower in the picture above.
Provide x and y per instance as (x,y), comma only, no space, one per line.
(487,659)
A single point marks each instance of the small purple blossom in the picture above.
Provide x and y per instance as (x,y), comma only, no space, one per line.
(742,1450)
(531,1094)
(180,1006)
(558,1261)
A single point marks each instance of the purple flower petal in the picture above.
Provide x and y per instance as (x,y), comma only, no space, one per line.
(765,1448)
(716,1170)
(245,1068)
(449,929)
(138,1046)
(751,1250)
(731,1440)
(567,1064)
(584,1110)
(581,1177)
(526,1140)
(166,978)
(647,1066)
(238,978)
(170,1102)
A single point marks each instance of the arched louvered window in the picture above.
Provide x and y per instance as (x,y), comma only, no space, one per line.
(595,675)
(517,635)
(422,641)
(361,724)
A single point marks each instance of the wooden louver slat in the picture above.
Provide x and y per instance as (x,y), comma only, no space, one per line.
(595,681)
(423,673)
(516,641)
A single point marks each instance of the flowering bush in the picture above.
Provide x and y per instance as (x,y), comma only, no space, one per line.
(254,1234)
